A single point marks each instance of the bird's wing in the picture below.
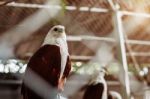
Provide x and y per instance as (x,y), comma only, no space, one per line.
(94,91)
(46,63)
(66,72)
(67,68)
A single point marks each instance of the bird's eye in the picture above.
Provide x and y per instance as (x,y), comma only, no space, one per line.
(55,29)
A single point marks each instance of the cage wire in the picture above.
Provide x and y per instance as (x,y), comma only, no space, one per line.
(88,22)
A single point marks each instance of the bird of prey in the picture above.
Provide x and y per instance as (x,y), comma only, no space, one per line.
(48,68)
(97,88)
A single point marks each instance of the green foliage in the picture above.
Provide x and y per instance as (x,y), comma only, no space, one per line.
(63,5)
(86,68)
(56,20)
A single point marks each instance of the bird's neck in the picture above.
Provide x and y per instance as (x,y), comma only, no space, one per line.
(53,41)
(98,80)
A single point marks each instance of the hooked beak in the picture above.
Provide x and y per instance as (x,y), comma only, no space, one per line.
(60,30)
(105,70)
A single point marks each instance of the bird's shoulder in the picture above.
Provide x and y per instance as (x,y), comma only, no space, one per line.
(48,48)
(46,51)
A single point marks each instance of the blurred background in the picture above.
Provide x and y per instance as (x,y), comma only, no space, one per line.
(114,34)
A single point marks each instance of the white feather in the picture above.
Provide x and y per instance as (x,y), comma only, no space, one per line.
(115,95)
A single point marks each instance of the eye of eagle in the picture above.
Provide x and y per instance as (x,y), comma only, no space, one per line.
(55,29)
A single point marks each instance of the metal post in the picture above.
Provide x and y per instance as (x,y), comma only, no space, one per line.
(121,52)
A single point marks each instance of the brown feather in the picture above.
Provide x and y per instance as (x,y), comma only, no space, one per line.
(46,63)
(94,91)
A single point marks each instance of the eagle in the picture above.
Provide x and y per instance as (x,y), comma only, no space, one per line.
(97,87)
(48,68)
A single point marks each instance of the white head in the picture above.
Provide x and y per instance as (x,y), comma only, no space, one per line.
(56,32)
(99,73)
(102,72)
(98,76)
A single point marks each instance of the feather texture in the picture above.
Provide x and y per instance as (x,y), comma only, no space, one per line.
(51,63)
